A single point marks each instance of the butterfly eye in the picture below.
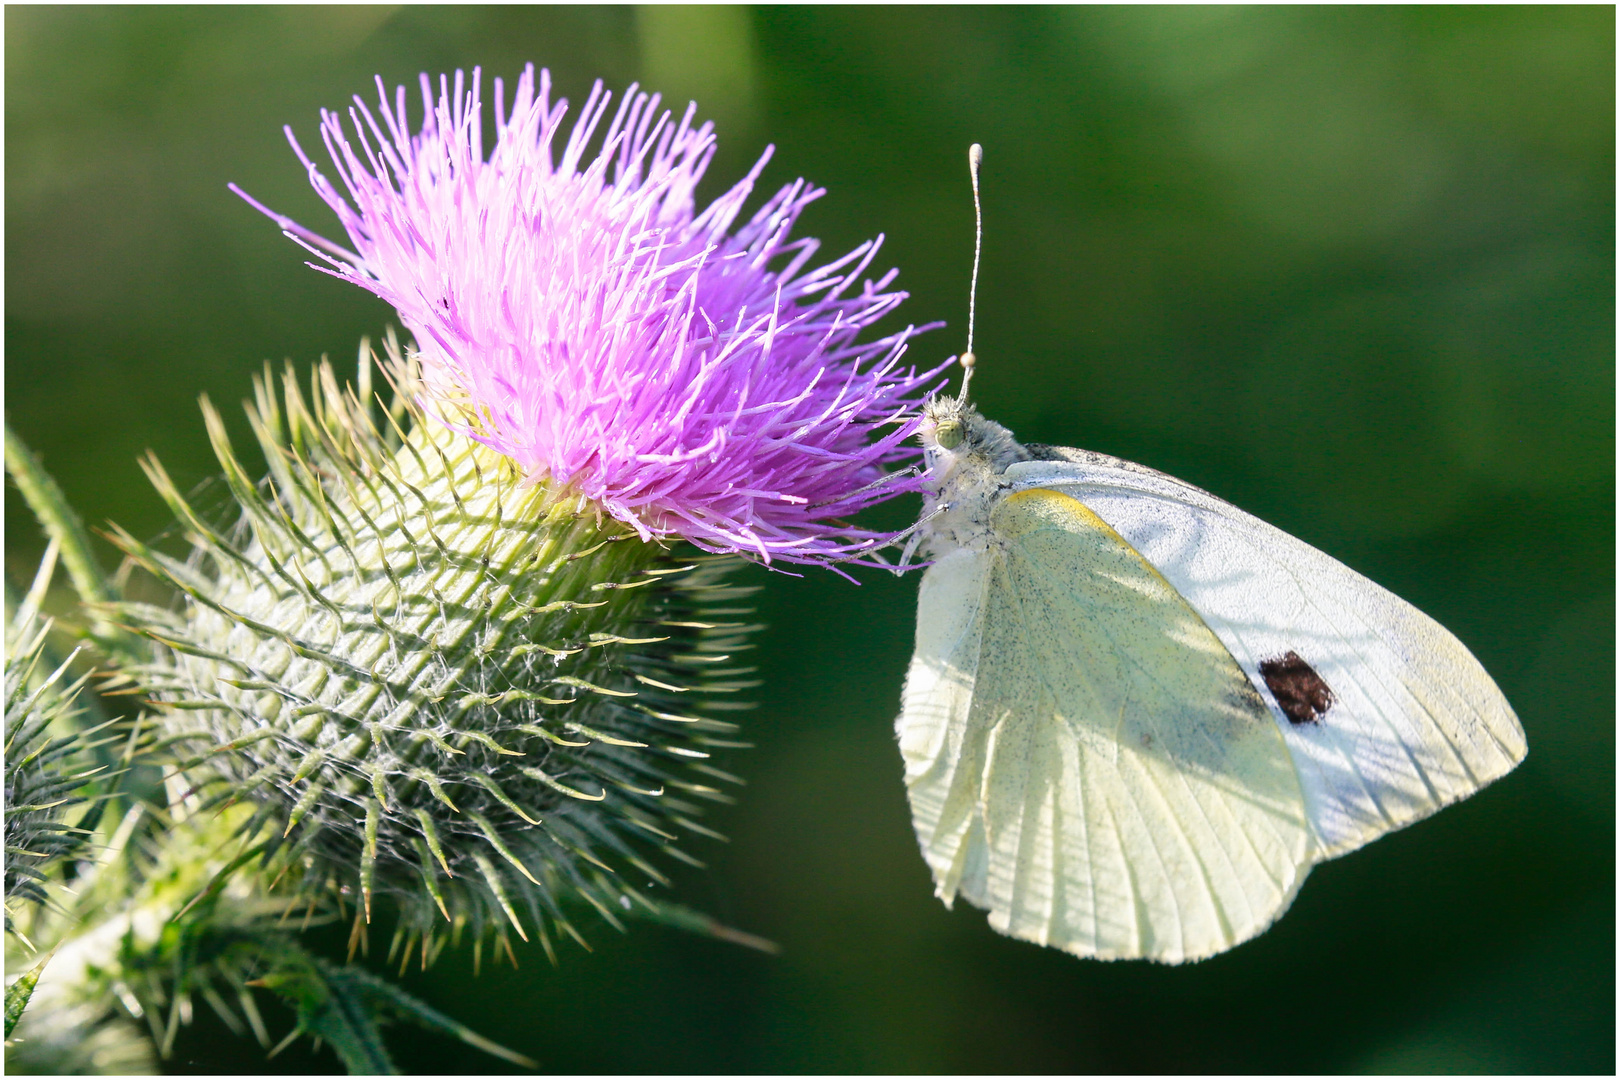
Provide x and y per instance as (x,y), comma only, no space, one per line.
(949,434)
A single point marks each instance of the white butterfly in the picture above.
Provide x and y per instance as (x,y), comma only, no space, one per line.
(1137,716)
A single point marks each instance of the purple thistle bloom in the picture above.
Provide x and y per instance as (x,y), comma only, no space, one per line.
(578,315)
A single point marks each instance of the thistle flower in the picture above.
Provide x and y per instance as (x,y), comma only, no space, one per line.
(446,650)
(578,315)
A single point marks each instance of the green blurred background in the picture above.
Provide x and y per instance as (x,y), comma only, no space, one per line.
(1352,269)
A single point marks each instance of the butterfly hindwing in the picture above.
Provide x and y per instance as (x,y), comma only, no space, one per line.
(943,765)
(1084,757)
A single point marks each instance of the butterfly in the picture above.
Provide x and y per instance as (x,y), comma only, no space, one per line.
(1137,716)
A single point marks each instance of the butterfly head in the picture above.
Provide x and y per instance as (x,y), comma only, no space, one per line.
(958,441)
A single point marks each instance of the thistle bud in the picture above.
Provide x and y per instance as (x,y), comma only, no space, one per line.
(479,696)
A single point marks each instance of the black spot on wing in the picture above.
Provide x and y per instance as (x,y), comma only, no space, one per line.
(1299,690)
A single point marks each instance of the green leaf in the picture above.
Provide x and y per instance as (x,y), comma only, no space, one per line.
(331,1012)
(18,993)
(385,995)
(344,1005)
(349,1025)
(62,525)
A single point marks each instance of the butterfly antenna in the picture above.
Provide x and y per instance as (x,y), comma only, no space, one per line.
(967,359)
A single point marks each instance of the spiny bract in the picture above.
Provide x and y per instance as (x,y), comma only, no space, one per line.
(439,683)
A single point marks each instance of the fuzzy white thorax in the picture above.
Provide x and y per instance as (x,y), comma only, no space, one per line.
(965,455)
